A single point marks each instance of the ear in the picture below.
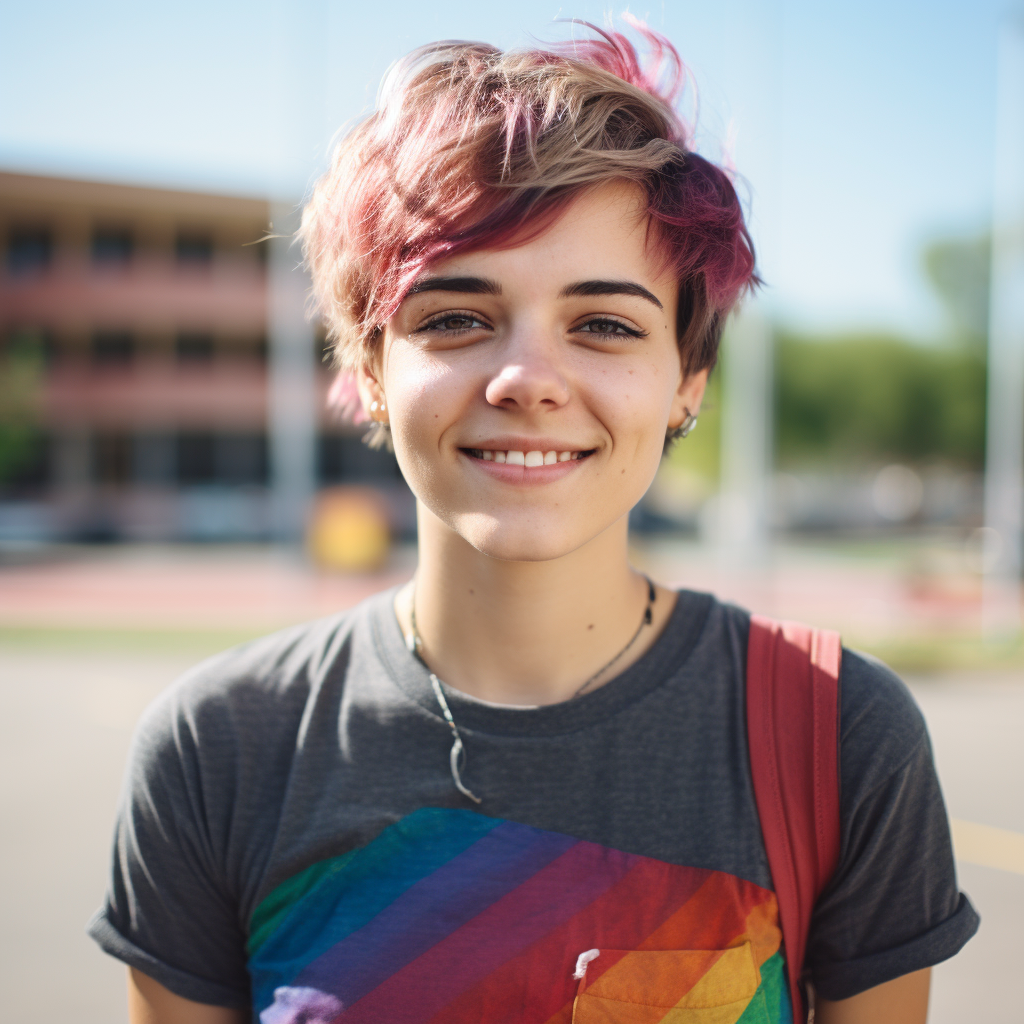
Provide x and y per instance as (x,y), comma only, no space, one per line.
(371,395)
(688,397)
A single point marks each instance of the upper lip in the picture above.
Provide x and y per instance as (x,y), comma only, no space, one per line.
(510,443)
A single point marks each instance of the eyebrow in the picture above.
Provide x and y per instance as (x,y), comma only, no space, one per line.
(485,286)
(466,285)
(609,288)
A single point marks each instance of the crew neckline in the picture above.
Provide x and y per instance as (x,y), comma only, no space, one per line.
(666,656)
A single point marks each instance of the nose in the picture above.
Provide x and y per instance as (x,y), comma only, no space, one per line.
(528,379)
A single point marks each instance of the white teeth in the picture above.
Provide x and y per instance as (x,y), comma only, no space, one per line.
(527,459)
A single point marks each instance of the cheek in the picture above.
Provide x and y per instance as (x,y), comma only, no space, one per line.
(420,392)
(639,404)
(427,398)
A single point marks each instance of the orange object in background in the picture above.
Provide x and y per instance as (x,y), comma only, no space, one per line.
(349,530)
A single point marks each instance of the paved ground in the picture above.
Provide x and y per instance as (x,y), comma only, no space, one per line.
(915,586)
(65,721)
(975,726)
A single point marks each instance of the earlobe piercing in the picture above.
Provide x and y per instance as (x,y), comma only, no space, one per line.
(684,428)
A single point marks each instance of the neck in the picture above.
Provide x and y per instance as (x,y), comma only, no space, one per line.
(526,632)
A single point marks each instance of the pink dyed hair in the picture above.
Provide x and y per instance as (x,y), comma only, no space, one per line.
(471,147)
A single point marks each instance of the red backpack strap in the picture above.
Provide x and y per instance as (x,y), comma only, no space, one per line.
(793,734)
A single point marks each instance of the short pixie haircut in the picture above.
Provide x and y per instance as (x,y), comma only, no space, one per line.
(471,147)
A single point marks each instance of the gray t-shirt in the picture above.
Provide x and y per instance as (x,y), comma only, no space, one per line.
(290,838)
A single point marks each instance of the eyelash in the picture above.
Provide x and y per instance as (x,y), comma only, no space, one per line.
(623,329)
(435,323)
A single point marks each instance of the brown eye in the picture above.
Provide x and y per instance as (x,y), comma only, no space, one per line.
(452,323)
(610,328)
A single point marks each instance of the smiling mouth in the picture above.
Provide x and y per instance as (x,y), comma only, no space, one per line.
(527,459)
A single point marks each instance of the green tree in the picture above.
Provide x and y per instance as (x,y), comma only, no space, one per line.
(863,399)
(958,269)
(21,375)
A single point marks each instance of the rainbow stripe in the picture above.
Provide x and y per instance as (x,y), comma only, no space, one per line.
(449,917)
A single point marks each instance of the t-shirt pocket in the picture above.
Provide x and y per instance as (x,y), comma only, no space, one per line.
(685,986)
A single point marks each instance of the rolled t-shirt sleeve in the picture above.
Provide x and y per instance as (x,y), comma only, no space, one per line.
(893,906)
(169,910)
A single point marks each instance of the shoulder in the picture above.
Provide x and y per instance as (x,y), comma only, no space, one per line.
(252,695)
(881,727)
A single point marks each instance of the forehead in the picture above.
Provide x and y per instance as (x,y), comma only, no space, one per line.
(603,233)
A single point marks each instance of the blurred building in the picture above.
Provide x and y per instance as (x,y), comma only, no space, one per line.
(133,367)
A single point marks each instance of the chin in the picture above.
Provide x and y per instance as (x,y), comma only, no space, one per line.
(519,539)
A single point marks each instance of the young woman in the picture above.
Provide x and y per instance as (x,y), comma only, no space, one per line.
(517,789)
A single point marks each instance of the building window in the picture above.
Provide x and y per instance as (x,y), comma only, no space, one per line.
(29,250)
(197,459)
(25,459)
(242,458)
(112,348)
(226,459)
(112,459)
(112,247)
(193,249)
(154,459)
(193,348)
(343,458)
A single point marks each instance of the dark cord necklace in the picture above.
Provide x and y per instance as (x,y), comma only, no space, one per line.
(457,758)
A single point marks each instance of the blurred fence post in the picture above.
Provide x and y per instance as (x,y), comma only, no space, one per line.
(291,386)
(743,523)
(1004,454)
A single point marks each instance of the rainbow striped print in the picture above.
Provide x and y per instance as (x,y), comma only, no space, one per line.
(451,917)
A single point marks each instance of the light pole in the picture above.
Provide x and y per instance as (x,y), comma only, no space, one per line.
(291,381)
(746,441)
(296,129)
(1004,446)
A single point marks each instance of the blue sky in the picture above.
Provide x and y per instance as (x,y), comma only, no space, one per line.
(863,128)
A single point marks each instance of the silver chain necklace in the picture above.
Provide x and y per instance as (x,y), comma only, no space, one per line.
(457,758)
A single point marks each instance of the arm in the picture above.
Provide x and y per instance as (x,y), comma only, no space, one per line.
(150,1003)
(900,1001)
